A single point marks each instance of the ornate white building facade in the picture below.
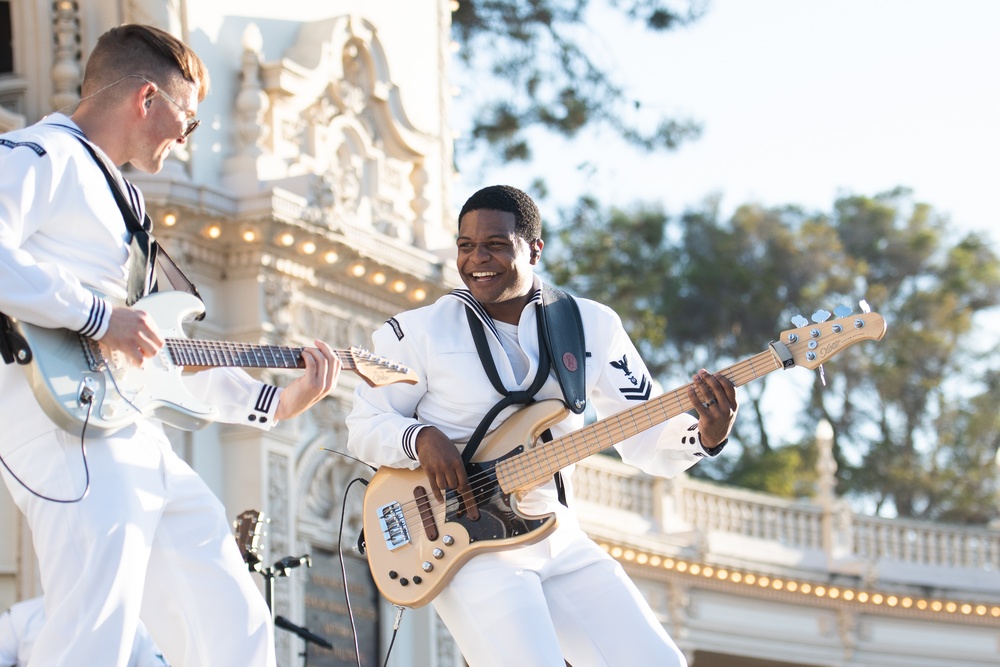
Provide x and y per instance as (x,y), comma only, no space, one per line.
(313,202)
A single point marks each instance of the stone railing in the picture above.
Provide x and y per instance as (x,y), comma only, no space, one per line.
(926,544)
(736,526)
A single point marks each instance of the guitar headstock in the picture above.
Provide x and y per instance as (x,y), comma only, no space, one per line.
(811,345)
(249,527)
(378,371)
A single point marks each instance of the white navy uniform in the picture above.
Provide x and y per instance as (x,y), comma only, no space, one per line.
(562,598)
(20,625)
(150,538)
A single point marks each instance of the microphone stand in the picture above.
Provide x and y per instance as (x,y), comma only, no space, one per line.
(308,636)
(283,568)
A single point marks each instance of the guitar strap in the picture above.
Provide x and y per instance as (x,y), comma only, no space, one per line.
(145,251)
(560,337)
(12,346)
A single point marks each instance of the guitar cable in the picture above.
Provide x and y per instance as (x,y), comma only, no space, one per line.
(343,569)
(89,400)
(343,566)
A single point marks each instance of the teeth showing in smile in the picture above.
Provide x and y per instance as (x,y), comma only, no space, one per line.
(483,274)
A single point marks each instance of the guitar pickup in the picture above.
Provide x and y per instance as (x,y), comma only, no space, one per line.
(393,524)
(426,513)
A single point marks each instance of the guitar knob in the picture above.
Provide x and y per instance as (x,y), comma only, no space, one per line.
(448,540)
(437,553)
(427,567)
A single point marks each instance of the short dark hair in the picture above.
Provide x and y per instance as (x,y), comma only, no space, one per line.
(527,219)
(142,50)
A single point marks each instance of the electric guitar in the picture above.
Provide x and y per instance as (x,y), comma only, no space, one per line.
(415,544)
(80,385)
(249,529)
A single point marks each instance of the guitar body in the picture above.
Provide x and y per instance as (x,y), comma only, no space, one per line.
(63,366)
(415,544)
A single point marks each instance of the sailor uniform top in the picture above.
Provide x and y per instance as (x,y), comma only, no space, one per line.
(453,391)
(64,262)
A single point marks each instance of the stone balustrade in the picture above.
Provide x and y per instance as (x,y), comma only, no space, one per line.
(803,537)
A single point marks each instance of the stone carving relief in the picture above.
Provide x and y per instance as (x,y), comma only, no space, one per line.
(251,102)
(338,127)
(325,477)
(279,294)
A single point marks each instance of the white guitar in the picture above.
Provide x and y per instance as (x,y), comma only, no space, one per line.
(76,382)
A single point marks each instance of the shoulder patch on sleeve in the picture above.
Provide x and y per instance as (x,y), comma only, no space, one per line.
(39,151)
(396,329)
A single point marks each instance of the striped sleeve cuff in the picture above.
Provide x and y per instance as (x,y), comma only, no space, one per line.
(260,412)
(410,441)
(97,320)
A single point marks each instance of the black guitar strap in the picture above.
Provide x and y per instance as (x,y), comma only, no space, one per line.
(509,397)
(562,332)
(12,346)
(144,249)
(560,338)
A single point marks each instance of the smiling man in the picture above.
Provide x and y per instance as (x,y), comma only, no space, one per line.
(123,528)
(561,598)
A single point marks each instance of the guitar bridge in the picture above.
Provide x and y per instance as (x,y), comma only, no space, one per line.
(393,524)
(92,354)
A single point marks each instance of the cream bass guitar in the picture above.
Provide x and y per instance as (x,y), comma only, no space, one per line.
(415,544)
(77,382)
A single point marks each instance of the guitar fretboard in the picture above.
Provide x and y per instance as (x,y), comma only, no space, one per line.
(536,466)
(209,353)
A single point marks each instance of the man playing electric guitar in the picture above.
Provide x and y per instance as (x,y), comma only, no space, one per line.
(124,527)
(560,598)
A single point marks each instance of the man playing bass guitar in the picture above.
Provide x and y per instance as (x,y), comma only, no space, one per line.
(542,602)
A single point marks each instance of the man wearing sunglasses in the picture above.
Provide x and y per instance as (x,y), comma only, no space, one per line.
(123,528)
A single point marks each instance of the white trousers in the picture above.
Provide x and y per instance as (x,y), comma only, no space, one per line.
(150,539)
(544,605)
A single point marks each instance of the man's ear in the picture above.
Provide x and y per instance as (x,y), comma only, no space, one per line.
(535,252)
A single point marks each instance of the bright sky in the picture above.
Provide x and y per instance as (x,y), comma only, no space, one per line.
(801,100)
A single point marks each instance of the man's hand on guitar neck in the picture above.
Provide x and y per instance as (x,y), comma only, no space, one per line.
(714,399)
(133,333)
(317,380)
(443,465)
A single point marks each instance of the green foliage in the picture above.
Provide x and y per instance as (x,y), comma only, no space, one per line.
(788,471)
(916,428)
(541,73)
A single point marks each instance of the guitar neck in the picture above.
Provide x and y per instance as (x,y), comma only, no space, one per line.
(213,354)
(537,466)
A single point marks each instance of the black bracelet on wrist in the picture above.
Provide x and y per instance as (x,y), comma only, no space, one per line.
(714,451)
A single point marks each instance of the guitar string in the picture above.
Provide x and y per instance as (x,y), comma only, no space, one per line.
(657,410)
(186,352)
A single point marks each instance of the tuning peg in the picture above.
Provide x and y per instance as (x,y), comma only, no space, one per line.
(821,316)
(799,321)
(865,308)
(842,311)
